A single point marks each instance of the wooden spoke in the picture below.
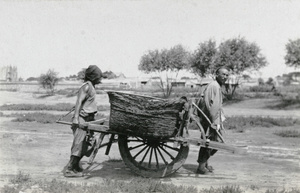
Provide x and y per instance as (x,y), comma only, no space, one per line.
(175,149)
(140,152)
(144,156)
(139,139)
(131,148)
(156,158)
(166,152)
(150,158)
(134,140)
(163,158)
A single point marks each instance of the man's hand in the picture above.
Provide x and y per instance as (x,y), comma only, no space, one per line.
(216,127)
(74,126)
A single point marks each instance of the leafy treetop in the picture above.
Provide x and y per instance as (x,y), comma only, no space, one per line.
(292,57)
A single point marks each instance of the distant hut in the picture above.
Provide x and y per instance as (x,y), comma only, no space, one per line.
(295,78)
(178,84)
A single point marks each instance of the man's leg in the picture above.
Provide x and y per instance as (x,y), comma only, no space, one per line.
(70,171)
(213,137)
(86,143)
(205,153)
(79,143)
(203,156)
(77,152)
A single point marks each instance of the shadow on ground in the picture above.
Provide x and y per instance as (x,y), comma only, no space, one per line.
(108,169)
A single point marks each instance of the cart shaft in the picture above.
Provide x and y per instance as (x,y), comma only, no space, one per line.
(214,145)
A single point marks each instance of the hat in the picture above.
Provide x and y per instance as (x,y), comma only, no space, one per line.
(93,73)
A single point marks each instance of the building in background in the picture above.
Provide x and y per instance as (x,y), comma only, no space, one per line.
(9,74)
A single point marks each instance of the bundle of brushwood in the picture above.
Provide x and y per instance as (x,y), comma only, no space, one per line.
(143,116)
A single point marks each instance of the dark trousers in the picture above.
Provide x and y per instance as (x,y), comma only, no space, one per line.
(81,145)
(205,153)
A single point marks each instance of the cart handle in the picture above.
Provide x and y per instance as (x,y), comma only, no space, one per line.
(82,125)
(218,133)
(99,121)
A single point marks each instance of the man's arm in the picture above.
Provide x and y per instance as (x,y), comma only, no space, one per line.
(82,93)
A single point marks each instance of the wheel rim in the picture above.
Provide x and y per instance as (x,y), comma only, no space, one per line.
(152,157)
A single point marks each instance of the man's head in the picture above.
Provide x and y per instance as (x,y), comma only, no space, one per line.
(93,74)
(222,75)
(184,98)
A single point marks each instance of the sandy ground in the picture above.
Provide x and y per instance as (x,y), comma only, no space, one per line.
(42,150)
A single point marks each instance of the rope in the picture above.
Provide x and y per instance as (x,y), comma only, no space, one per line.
(73,108)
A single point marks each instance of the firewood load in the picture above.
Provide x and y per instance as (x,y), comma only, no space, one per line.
(143,116)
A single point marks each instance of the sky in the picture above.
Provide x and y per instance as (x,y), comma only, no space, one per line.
(68,35)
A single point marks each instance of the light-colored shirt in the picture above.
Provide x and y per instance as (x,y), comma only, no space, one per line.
(89,104)
(213,102)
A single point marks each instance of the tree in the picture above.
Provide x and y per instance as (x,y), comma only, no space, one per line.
(239,55)
(246,77)
(165,62)
(270,81)
(49,80)
(32,79)
(109,75)
(261,82)
(202,61)
(71,77)
(236,54)
(292,57)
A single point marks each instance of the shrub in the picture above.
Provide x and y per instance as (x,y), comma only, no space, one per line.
(49,80)
(43,117)
(283,191)
(225,189)
(288,133)
(261,81)
(261,88)
(10,89)
(237,97)
(240,122)
(289,89)
(20,178)
(289,100)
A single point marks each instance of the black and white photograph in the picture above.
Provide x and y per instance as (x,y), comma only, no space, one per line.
(140,96)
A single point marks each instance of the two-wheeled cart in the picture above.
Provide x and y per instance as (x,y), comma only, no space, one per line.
(151,133)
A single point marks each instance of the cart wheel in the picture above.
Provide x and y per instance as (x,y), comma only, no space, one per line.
(151,157)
